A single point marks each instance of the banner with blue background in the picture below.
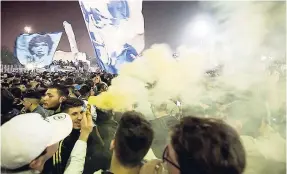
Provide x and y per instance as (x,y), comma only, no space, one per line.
(116,29)
(36,49)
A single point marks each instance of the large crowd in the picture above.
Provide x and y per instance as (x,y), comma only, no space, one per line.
(77,65)
(48,126)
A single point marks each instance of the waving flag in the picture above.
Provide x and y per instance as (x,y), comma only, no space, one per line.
(116,29)
(37,49)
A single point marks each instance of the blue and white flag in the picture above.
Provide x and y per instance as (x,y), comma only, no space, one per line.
(116,29)
(36,49)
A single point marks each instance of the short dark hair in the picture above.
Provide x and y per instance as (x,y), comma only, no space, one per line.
(17,75)
(42,91)
(94,75)
(29,86)
(133,139)
(62,90)
(79,81)
(6,85)
(16,81)
(40,38)
(90,83)
(69,82)
(207,146)
(17,93)
(71,103)
(85,90)
(32,94)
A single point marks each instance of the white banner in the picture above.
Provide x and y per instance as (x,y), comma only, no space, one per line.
(116,30)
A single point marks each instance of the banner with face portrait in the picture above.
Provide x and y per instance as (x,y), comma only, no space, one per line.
(116,29)
(37,50)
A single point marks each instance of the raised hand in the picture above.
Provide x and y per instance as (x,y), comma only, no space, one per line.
(86,124)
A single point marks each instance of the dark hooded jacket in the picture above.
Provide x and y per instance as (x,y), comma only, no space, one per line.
(98,155)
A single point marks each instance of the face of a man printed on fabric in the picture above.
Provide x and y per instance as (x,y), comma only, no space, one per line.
(40,46)
(40,49)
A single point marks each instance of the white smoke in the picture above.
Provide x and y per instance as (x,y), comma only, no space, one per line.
(245,31)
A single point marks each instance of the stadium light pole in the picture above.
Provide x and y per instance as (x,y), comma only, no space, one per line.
(27,29)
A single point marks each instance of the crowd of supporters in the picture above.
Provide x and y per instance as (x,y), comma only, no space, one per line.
(79,64)
(47,126)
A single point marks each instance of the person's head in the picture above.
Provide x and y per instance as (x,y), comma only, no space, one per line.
(75,108)
(54,96)
(17,93)
(79,81)
(69,82)
(132,139)
(30,99)
(40,45)
(205,146)
(29,140)
(96,78)
(85,91)
(16,81)
(5,85)
(29,86)
(102,87)
(89,83)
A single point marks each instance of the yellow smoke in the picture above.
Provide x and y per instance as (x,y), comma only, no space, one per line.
(157,66)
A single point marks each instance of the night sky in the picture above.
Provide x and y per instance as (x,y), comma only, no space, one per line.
(164,21)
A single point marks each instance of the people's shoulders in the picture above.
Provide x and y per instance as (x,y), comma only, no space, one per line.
(50,112)
(39,109)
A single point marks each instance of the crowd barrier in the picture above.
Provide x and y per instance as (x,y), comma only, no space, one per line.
(12,68)
(19,68)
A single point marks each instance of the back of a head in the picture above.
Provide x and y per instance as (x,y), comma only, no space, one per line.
(133,139)
(84,90)
(16,92)
(4,85)
(69,82)
(16,81)
(207,146)
(89,83)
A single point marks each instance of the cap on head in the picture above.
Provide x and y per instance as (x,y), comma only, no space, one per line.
(26,136)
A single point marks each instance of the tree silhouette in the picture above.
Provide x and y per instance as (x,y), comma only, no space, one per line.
(7,57)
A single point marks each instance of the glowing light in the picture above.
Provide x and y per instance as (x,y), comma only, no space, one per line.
(201,28)
(27,29)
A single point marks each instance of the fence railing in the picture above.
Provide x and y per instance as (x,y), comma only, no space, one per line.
(12,68)
(19,68)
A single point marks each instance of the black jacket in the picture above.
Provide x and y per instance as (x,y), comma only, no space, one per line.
(98,154)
